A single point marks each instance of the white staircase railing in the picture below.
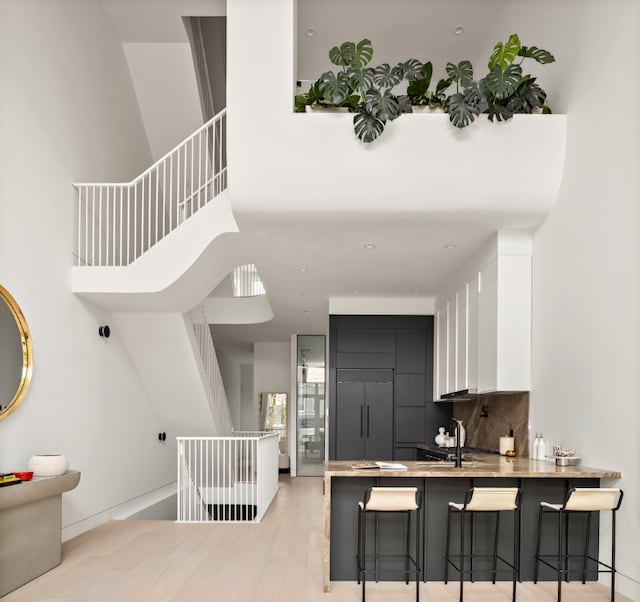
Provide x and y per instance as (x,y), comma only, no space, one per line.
(227,479)
(118,222)
(220,409)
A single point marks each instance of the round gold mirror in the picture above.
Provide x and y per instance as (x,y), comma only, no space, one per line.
(16,358)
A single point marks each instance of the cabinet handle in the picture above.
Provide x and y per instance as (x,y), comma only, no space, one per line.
(361,422)
(367,421)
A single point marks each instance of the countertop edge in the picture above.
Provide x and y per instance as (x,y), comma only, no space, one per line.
(517,468)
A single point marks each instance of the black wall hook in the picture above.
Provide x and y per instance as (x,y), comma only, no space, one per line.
(104,331)
(162,436)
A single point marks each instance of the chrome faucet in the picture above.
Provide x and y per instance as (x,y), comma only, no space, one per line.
(458,457)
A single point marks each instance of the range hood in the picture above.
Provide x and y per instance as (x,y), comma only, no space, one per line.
(462,395)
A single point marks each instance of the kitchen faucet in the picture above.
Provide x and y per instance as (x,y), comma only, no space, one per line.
(458,457)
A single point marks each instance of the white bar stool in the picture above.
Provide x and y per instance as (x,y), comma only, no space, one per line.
(485,500)
(586,501)
(383,500)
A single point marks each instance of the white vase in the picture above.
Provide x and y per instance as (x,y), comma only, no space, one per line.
(48,465)
(441,439)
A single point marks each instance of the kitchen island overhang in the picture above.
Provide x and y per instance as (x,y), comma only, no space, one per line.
(441,483)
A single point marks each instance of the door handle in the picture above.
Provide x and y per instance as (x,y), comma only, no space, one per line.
(361,422)
(367,421)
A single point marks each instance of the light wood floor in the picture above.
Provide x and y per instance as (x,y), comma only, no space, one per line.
(279,560)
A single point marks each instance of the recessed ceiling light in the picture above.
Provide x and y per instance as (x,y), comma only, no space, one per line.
(458,30)
(369,245)
(306,311)
(310,32)
(303,269)
(450,245)
(305,294)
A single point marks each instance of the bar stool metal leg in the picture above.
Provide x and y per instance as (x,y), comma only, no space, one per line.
(495,548)
(447,548)
(560,561)
(462,513)
(586,548)
(537,562)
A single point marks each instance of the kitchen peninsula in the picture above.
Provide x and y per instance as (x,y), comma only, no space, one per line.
(344,487)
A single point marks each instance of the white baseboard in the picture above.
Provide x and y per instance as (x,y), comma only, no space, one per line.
(119,512)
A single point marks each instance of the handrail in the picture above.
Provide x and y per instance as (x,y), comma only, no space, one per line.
(203,127)
(119,221)
(220,408)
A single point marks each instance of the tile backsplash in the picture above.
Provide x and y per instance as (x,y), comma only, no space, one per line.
(504,411)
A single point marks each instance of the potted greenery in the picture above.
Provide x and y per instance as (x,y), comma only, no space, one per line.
(420,96)
(368,92)
(371,93)
(504,91)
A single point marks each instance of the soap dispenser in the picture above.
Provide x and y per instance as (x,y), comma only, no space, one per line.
(542,448)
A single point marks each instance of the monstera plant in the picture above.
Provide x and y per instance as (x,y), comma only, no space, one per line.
(504,91)
(366,91)
(372,93)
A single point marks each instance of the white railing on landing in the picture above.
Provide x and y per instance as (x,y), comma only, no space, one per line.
(227,479)
(118,222)
(220,409)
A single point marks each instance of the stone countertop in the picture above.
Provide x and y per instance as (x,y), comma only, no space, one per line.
(475,466)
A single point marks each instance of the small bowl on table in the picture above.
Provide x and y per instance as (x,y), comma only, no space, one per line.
(24,476)
(567,460)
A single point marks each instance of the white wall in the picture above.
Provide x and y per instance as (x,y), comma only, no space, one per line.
(165,83)
(586,273)
(69,113)
(409,306)
(271,371)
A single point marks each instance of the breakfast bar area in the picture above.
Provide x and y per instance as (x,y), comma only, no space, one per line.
(441,483)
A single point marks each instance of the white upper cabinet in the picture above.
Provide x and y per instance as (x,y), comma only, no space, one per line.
(483,341)
(504,325)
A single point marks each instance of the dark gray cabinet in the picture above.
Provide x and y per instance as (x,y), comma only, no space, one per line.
(380,387)
(364,420)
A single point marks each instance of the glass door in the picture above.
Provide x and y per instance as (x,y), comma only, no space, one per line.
(310,405)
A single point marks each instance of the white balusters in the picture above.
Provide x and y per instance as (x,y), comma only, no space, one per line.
(118,222)
(227,479)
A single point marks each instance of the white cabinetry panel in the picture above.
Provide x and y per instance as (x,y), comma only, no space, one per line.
(484,331)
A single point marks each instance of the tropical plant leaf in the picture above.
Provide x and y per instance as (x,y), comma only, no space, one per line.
(504,54)
(493,107)
(404,104)
(334,87)
(476,97)
(413,69)
(461,110)
(350,53)
(363,53)
(387,76)
(539,54)
(504,82)
(366,126)
(382,105)
(360,79)
(527,97)
(461,74)
(417,91)
(301,102)
(442,85)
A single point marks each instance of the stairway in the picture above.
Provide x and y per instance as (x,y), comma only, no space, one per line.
(150,251)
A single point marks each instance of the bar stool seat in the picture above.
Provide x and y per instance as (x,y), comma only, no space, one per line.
(484,500)
(385,500)
(585,501)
